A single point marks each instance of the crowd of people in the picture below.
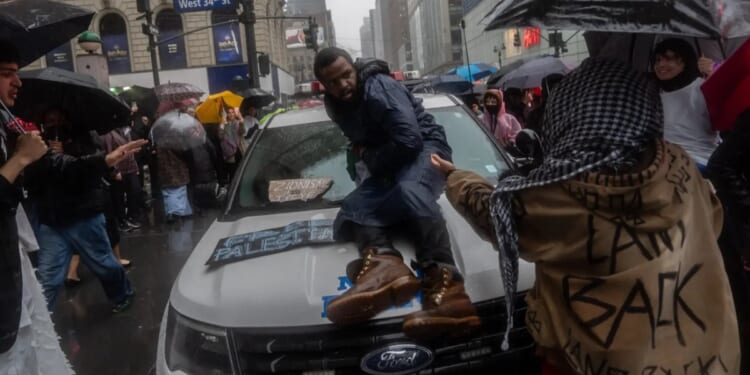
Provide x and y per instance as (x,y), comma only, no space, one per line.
(86,189)
(67,194)
(639,257)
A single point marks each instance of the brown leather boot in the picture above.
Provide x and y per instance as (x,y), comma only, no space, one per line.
(380,281)
(446,308)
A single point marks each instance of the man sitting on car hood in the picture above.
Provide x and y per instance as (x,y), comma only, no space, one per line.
(392,138)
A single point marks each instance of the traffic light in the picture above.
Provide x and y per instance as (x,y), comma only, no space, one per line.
(517,39)
(555,39)
(264,64)
(143,6)
(311,37)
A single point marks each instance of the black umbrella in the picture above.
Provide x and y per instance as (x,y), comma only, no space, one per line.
(451,84)
(637,49)
(256,98)
(533,72)
(36,27)
(509,67)
(698,18)
(144,98)
(87,104)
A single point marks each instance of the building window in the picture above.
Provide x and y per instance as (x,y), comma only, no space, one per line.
(227,44)
(115,46)
(457,56)
(455,37)
(172,54)
(455,19)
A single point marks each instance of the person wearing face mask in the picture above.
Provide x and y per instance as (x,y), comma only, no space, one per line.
(503,126)
(686,117)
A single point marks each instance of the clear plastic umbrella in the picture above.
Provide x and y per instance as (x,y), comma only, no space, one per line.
(695,18)
(177,130)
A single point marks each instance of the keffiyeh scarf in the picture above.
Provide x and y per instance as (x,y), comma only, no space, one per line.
(602,115)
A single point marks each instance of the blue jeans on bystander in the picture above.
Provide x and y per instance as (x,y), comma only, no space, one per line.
(88,237)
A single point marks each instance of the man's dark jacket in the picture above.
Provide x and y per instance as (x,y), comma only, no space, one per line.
(11,286)
(386,119)
(69,187)
(729,169)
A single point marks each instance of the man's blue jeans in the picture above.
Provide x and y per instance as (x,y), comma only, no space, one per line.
(88,237)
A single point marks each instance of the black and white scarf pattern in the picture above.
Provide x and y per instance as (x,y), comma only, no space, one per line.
(601,115)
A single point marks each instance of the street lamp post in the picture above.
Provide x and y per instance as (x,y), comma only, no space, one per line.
(152,48)
(468,62)
(248,19)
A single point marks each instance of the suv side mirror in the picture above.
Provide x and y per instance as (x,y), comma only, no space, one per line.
(529,146)
(528,143)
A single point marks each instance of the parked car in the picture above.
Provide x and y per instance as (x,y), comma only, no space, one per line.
(266,315)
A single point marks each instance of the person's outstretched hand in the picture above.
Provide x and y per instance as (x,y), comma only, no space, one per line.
(442,165)
(124,151)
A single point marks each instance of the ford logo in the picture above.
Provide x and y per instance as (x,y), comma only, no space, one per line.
(398,359)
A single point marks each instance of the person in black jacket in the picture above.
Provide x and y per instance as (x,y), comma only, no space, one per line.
(392,138)
(66,186)
(28,148)
(729,171)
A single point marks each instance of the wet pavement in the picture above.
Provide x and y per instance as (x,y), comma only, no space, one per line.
(97,341)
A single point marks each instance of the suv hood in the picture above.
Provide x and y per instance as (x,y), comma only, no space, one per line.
(291,288)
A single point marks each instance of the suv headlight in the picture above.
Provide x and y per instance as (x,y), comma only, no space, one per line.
(196,348)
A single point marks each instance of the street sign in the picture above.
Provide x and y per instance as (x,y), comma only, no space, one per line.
(183,6)
(149,29)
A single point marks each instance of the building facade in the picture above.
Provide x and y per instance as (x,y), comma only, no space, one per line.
(304,7)
(507,45)
(209,58)
(376,18)
(396,41)
(300,58)
(366,39)
(435,34)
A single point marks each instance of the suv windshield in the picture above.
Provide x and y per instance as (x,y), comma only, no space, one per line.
(319,150)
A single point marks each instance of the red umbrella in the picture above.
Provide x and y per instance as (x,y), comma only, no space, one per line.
(727,91)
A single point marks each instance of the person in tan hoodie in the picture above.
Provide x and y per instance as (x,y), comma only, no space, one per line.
(622,229)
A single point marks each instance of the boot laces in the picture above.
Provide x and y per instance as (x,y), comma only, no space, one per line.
(365,266)
(438,290)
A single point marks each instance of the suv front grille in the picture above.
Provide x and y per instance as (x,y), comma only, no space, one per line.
(330,350)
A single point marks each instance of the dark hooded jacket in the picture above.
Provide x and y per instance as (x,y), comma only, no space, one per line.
(386,119)
(729,169)
(69,187)
(10,260)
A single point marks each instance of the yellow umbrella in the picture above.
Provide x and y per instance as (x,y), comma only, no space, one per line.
(209,112)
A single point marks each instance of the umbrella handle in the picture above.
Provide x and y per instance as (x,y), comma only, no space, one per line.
(698,47)
(723,49)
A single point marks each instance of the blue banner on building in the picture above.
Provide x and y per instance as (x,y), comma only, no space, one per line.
(227,45)
(201,5)
(172,54)
(61,57)
(116,49)
(220,77)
